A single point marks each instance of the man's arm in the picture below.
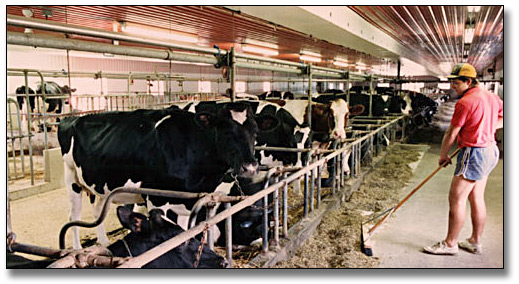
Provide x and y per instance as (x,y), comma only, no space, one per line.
(499,122)
(449,138)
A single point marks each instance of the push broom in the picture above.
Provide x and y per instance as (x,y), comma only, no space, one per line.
(365,244)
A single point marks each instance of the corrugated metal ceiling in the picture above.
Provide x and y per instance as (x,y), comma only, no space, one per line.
(437,30)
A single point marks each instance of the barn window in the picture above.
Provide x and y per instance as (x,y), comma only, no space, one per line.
(341,86)
(241,87)
(204,86)
(267,87)
(444,86)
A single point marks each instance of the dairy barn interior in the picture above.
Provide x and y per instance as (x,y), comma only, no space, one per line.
(126,82)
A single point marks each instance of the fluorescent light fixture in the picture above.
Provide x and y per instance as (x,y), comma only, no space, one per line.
(469,35)
(341,62)
(309,58)
(310,53)
(261,43)
(258,49)
(474,9)
(360,66)
(158,33)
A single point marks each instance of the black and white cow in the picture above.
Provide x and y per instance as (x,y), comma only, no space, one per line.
(53,90)
(277,95)
(148,232)
(20,98)
(167,149)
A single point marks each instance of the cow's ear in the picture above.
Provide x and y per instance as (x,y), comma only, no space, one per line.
(204,119)
(357,109)
(156,218)
(136,222)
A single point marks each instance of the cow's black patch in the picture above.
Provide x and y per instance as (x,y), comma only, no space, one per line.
(76,188)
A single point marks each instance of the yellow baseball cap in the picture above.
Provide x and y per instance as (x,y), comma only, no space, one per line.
(463,70)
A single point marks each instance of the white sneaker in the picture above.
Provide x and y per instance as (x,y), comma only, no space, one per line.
(441,248)
(471,247)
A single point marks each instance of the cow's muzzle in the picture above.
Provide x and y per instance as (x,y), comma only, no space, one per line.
(248,169)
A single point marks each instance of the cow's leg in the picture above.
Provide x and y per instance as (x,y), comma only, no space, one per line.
(74,191)
(101,230)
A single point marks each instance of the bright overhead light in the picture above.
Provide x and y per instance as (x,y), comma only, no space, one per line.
(157,33)
(341,63)
(310,53)
(474,9)
(360,66)
(258,49)
(260,43)
(309,58)
(469,35)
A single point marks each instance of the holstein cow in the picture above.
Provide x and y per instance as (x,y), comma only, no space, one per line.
(20,98)
(167,149)
(147,233)
(277,95)
(422,107)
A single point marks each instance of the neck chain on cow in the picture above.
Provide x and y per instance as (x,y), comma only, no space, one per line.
(127,247)
(237,183)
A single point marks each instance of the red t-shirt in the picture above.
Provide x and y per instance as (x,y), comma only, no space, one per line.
(477,113)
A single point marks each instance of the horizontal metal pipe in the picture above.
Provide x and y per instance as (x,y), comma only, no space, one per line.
(79,30)
(81,45)
(280,149)
(36,250)
(242,64)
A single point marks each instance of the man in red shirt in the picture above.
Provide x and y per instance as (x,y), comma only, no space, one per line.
(476,117)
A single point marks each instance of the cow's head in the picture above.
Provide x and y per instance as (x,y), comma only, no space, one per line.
(235,130)
(147,233)
(330,118)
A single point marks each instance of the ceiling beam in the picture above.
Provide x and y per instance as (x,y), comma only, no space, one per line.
(339,25)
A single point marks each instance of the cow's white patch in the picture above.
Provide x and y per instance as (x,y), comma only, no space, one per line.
(297,108)
(407,109)
(269,160)
(224,187)
(340,111)
(239,116)
(160,121)
(301,144)
(384,97)
(179,209)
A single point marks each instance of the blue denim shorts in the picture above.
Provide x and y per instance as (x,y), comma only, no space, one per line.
(475,163)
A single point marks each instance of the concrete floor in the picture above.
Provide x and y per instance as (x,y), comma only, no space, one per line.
(423,220)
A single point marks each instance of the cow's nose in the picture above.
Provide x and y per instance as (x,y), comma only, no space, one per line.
(249,168)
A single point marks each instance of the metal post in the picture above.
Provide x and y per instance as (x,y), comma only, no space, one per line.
(319,171)
(228,235)
(312,183)
(275,196)
(309,72)
(305,203)
(285,207)
(370,95)
(233,74)
(29,134)
(265,224)
(210,210)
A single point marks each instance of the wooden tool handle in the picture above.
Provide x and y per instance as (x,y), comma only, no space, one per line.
(413,191)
